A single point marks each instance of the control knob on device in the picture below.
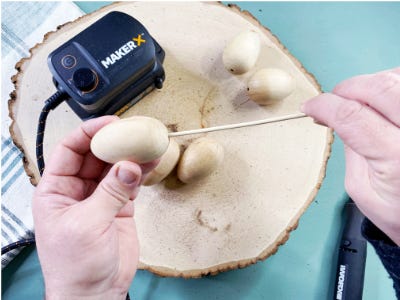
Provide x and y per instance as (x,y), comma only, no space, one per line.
(85,79)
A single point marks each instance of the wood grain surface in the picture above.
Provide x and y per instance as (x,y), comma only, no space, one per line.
(271,173)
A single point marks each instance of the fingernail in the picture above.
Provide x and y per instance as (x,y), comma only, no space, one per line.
(126,175)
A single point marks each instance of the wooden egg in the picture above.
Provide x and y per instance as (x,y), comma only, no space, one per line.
(268,86)
(241,53)
(165,166)
(200,159)
(139,139)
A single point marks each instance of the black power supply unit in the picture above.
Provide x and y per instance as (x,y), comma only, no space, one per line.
(107,67)
(103,70)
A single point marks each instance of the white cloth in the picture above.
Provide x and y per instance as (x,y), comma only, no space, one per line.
(23,24)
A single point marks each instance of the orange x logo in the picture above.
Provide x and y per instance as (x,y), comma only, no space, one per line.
(139,40)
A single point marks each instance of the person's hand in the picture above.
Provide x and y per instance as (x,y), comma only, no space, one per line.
(85,231)
(365,113)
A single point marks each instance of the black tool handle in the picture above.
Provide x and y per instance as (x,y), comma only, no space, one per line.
(352,256)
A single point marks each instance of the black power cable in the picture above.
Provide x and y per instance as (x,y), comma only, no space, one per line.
(50,104)
(17,244)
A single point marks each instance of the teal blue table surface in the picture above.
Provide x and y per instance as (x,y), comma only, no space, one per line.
(333,41)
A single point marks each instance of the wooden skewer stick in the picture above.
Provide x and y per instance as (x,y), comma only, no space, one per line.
(238,125)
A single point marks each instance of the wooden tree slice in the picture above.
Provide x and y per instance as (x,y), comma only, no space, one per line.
(271,173)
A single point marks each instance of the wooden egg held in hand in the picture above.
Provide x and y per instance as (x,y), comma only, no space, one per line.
(139,139)
(165,166)
(241,53)
(199,160)
(268,86)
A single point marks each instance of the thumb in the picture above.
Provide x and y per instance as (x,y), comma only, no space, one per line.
(115,190)
(360,127)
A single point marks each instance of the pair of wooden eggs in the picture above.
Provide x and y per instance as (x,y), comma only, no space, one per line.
(143,139)
(267,85)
